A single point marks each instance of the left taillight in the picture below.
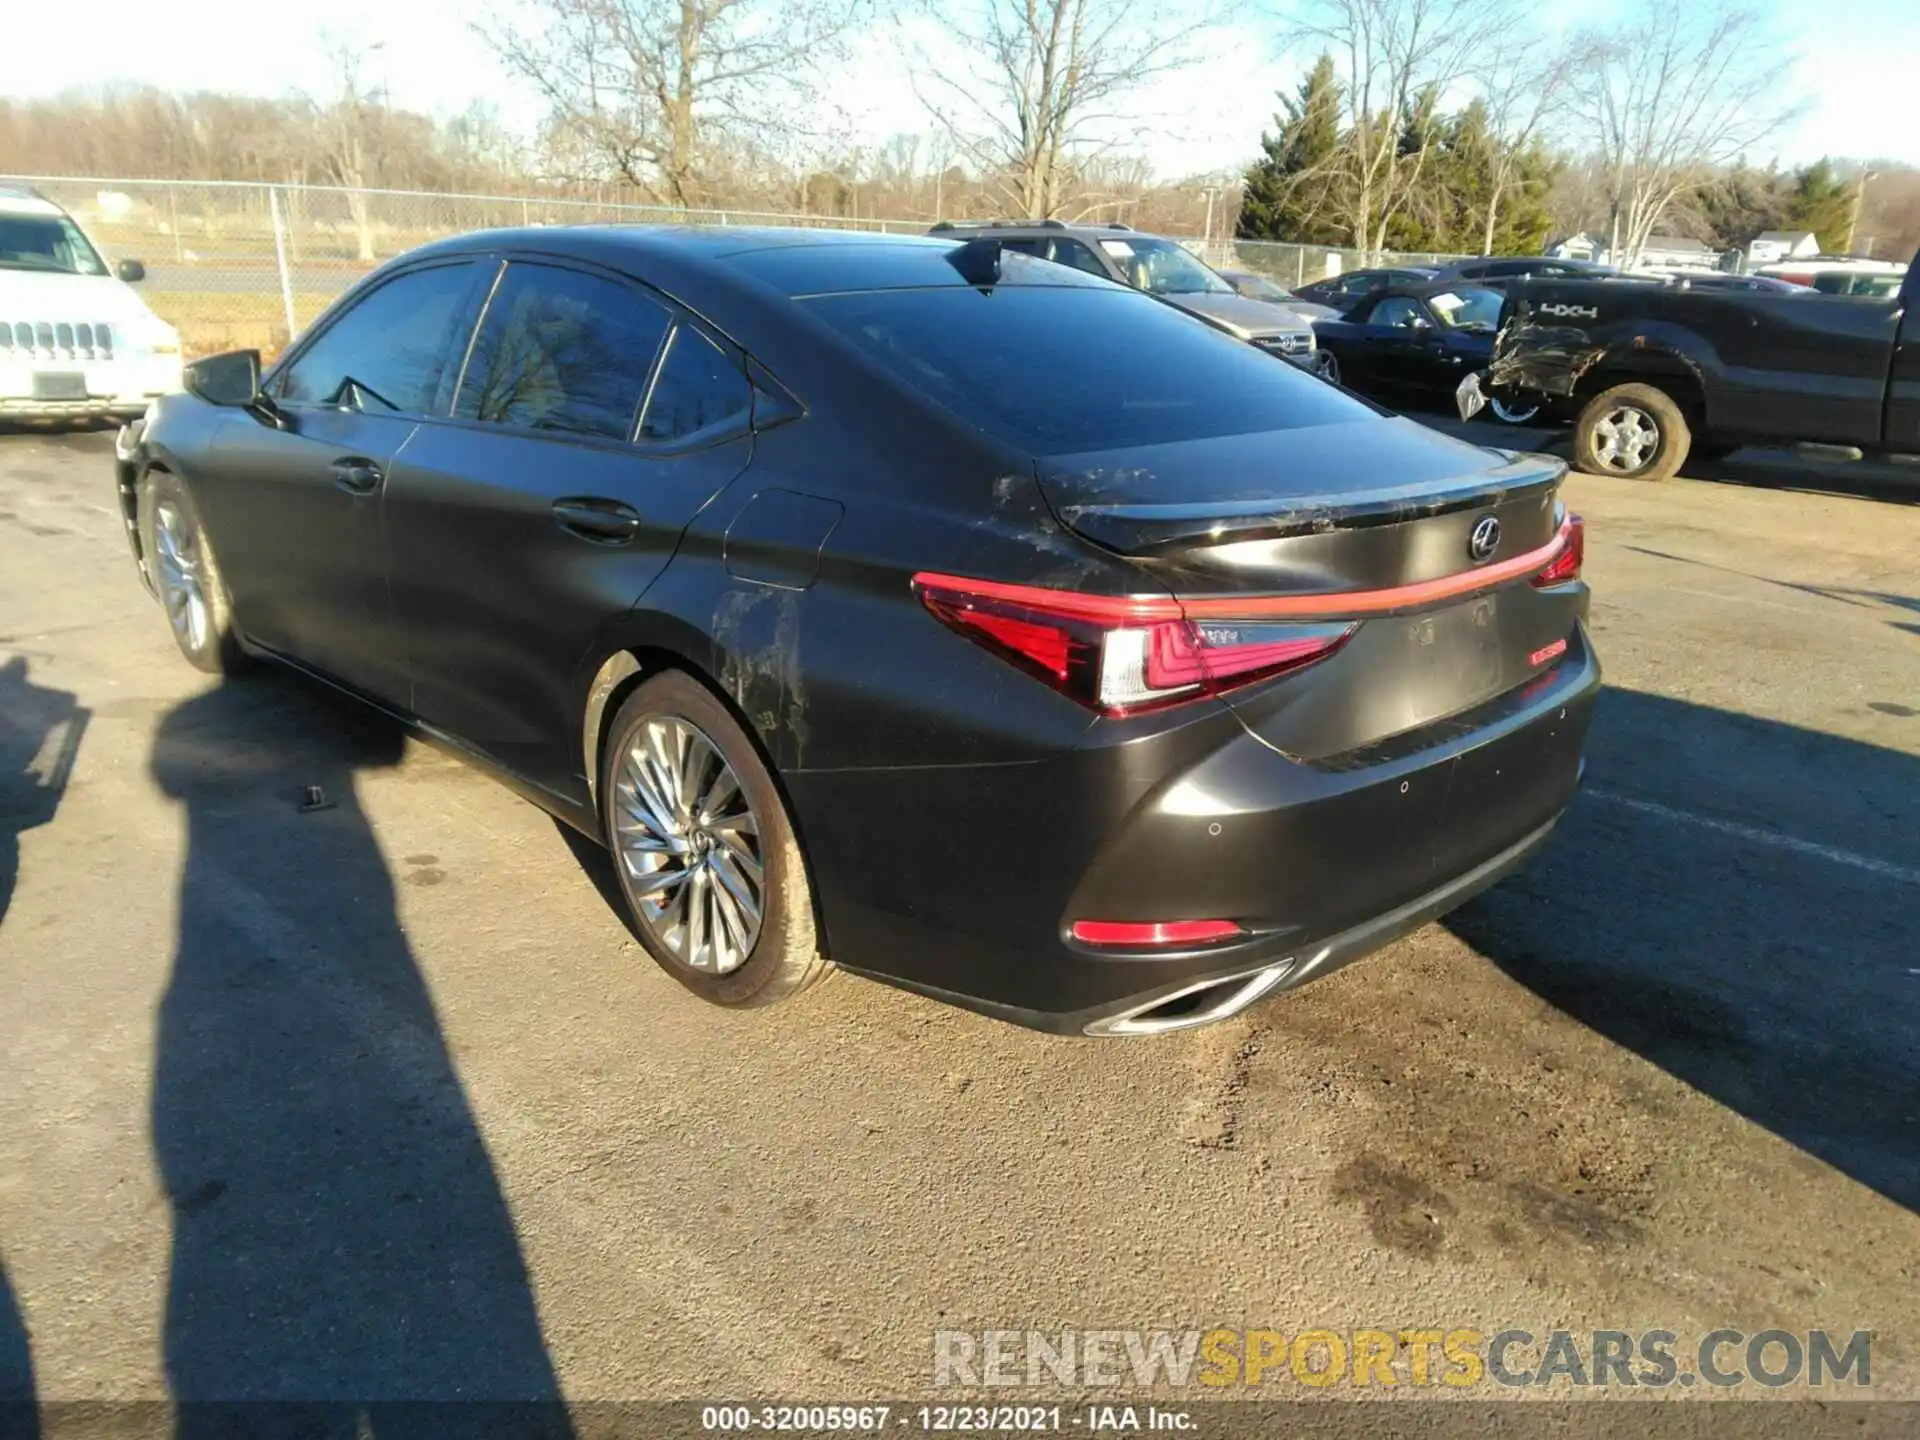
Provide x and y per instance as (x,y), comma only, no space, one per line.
(1566,565)
(1118,654)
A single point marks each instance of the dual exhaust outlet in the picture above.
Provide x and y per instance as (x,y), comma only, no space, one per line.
(1201,1003)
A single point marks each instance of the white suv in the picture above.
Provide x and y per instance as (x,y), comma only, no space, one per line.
(74,339)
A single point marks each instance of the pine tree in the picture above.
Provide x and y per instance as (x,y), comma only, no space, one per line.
(1823,203)
(1288,188)
(1741,204)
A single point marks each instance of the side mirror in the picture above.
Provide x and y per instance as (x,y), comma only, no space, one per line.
(131,271)
(232,378)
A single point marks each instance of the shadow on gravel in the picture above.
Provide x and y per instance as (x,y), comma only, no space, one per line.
(40,730)
(17,1415)
(1774,974)
(1845,595)
(596,861)
(340,1239)
(1894,482)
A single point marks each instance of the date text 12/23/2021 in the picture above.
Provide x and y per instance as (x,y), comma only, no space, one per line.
(944,1419)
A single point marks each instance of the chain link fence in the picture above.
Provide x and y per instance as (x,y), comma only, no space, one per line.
(237,265)
(1295,265)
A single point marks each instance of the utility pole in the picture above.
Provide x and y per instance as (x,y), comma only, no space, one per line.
(1859,196)
(1206,241)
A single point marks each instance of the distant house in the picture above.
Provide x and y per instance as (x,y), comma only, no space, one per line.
(1677,252)
(1578,247)
(1777,245)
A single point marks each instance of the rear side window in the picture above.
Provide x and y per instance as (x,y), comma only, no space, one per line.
(700,390)
(1061,370)
(392,344)
(564,352)
(1079,256)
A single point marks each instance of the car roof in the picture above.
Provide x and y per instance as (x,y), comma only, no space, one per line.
(685,259)
(1377,270)
(17,201)
(967,229)
(1482,260)
(1427,289)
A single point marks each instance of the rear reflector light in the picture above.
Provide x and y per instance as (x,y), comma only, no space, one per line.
(1566,565)
(1164,932)
(1095,650)
(1548,652)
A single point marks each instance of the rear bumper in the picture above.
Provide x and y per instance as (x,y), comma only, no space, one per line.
(1215,994)
(967,889)
(123,407)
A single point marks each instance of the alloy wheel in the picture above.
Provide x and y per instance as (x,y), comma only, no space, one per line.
(1626,439)
(688,844)
(182,580)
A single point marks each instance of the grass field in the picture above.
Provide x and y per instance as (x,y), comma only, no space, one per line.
(212,321)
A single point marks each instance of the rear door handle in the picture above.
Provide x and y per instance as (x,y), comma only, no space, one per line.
(357,474)
(605,522)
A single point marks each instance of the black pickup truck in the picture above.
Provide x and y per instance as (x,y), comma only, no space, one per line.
(1652,372)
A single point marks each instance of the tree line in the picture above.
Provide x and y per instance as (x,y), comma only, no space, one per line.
(1640,126)
(1422,125)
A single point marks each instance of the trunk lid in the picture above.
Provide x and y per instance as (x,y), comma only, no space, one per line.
(1383,522)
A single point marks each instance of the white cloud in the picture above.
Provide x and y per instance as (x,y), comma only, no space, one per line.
(1861,103)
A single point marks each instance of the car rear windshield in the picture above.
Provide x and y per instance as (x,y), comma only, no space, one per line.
(1056,371)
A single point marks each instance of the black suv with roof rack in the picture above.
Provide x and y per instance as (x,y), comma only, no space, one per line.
(1161,267)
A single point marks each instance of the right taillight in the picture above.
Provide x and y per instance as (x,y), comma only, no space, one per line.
(1566,565)
(1123,655)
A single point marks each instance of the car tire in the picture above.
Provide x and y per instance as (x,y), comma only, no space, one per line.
(185,575)
(1632,432)
(658,823)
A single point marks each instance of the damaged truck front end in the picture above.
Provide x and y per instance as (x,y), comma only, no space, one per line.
(1606,358)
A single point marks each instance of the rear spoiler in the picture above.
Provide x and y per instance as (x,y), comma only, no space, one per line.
(1145,530)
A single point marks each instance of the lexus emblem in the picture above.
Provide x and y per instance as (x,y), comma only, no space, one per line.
(1484,540)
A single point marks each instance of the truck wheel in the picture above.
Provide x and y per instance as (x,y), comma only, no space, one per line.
(1636,432)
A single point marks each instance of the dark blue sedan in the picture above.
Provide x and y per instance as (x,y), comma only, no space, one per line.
(1411,346)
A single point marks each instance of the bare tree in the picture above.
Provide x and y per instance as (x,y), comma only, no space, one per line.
(1671,93)
(348,131)
(1028,87)
(1396,57)
(640,86)
(1527,86)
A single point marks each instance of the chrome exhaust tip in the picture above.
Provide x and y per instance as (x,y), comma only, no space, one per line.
(1198,1004)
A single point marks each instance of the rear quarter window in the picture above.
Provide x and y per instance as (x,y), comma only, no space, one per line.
(1056,371)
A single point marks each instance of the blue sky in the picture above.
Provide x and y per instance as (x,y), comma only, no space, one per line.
(1857,67)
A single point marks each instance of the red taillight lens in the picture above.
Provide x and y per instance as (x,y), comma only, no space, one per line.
(1166,932)
(1566,565)
(1118,655)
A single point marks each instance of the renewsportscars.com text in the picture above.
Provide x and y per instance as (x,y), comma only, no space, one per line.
(1413,1356)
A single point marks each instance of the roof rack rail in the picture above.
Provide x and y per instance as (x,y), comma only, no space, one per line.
(945,225)
(1118,225)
